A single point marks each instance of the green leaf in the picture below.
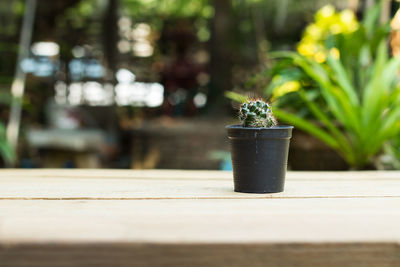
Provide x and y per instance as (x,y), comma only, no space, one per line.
(306,126)
(343,80)
(7,152)
(236,97)
(322,117)
(371,19)
(378,88)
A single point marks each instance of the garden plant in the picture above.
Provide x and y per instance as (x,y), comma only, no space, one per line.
(342,83)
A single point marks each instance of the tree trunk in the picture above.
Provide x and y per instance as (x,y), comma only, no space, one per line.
(110,34)
(221,64)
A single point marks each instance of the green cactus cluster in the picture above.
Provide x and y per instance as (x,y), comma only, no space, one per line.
(256,113)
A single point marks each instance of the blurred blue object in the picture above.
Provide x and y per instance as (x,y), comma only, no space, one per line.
(85,68)
(40,66)
(27,164)
(225,157)
(226,165)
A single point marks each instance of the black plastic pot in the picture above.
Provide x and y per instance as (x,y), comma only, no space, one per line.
(259,157)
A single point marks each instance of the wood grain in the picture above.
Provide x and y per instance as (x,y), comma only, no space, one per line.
(201,220)
(128,184)
(188,174)
(192,218)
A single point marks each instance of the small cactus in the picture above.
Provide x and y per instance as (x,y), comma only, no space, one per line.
(256,113)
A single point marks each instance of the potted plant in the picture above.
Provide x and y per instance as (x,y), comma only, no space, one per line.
(259,149)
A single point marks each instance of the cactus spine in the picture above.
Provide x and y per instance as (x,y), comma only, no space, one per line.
(256,113)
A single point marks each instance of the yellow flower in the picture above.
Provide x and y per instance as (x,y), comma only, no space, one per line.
(335,53)
(326,12)
(287,87)
(336,28)
(306,49)
(327,22)
(347,16)
(320,57)
(348,21)
(313,32)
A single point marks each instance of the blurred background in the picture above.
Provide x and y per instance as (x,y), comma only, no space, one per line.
(143,83)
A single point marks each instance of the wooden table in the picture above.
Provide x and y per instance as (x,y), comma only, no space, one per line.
(192,218)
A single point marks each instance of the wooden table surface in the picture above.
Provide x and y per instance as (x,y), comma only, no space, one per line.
(193,218)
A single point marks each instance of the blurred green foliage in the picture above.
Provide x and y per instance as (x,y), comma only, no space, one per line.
(365,120)
(392,149)
(344,87)
(339,35)
(178,8)
(156,13)
(7,153)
